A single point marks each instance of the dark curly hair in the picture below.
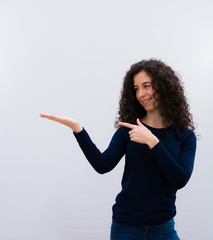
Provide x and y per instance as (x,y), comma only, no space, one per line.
(169,90)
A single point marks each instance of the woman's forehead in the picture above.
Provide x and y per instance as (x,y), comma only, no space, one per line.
(142,78)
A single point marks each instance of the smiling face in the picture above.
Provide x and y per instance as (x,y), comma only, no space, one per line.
(144,91)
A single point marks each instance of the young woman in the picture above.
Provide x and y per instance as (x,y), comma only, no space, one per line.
(155,133)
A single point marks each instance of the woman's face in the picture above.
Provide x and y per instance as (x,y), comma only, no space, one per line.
(144,91)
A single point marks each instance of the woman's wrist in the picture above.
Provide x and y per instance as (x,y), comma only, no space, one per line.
(78,128)
(153,141)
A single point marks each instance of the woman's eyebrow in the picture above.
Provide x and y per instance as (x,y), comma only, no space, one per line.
(143,84)
(146,82)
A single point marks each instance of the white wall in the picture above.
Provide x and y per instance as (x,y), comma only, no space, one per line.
(69,58)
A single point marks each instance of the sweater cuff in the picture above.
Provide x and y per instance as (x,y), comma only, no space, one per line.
(156,148)
(80,134)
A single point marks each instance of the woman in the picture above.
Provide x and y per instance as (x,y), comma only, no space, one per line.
(155,133)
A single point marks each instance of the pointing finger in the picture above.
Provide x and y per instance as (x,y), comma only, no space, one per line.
(128,125)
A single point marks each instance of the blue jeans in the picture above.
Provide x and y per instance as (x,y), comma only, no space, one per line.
(164,231)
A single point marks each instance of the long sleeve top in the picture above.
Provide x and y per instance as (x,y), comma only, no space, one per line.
(151,177)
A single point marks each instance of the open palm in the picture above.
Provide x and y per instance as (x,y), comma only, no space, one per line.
(67,121)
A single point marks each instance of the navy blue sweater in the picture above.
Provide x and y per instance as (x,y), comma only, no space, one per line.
(151,178)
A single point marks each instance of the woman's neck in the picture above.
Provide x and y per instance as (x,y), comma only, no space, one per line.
(154,120)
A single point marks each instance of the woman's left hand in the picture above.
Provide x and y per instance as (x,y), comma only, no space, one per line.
(141,134)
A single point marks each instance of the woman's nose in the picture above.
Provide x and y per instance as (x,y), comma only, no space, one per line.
(141,92)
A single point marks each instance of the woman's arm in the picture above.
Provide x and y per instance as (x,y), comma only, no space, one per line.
(101,162)
(176,171)
(106,161)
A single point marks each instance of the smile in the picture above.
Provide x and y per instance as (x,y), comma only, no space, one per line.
(145,102)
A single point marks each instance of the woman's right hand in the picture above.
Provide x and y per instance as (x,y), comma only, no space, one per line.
(67,121)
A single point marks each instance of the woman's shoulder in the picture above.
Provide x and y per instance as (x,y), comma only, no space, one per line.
(184,134)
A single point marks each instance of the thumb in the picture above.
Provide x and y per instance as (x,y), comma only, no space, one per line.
(139,122)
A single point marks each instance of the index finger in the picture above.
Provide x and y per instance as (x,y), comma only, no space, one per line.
(50,117)
(128,125)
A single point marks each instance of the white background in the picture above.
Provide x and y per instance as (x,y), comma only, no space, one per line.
(69,58)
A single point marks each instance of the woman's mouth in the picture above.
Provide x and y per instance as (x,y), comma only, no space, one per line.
(147,101)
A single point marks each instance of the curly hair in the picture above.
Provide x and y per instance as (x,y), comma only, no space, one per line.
(169,90)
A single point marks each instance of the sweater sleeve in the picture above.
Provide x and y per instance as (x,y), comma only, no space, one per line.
(176,171)
(106,161)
